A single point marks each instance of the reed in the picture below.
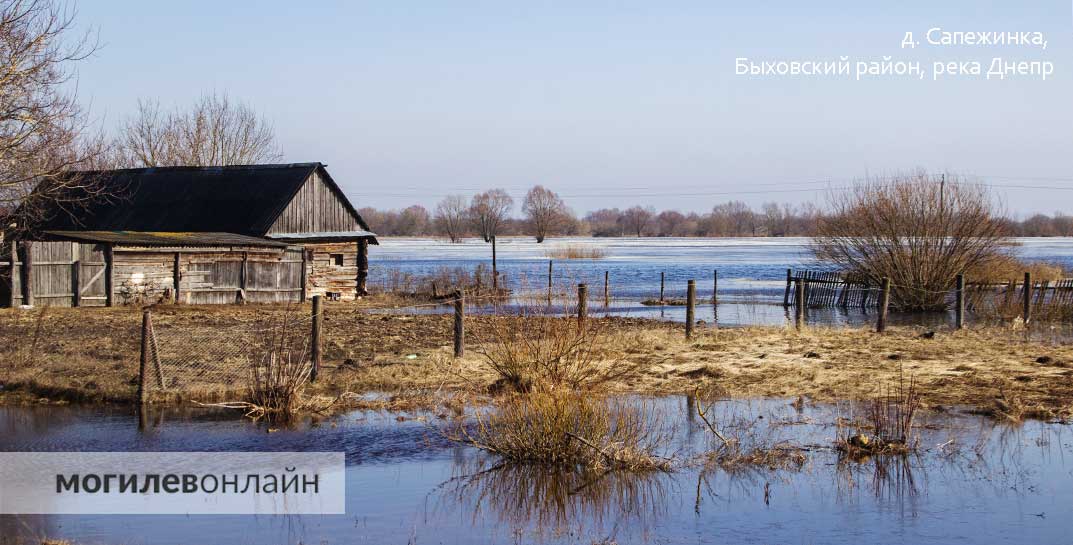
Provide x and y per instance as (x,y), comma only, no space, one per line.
(891,419)
(575,251)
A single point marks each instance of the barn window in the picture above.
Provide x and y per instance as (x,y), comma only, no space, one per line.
(337,259)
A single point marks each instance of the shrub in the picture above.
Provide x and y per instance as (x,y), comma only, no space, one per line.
(568,429)
(914,229)
(537,349)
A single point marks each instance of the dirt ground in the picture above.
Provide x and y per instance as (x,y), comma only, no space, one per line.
(91,355)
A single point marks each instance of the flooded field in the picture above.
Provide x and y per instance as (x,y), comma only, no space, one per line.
(971,481)
(751,272)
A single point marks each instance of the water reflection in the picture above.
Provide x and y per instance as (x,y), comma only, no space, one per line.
(543,502)
(403,483)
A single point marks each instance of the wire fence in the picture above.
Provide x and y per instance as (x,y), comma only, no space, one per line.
(185,357)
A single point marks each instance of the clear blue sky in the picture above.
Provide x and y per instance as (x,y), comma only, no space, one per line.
(608,102)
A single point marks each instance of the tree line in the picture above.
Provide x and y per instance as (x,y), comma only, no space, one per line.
(544,214)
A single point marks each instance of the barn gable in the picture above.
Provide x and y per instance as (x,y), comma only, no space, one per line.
(317,207)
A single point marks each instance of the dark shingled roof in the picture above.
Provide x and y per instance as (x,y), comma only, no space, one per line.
(243,199)
(138,238)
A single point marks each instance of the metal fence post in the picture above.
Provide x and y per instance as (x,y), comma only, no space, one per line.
(715,286)
(662,283)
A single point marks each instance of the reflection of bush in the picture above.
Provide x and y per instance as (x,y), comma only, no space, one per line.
(546,499)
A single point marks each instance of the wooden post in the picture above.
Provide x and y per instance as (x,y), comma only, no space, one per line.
(27,278)
(607,289)
(76,282)
(715,286)
(799,301)
(582,304)
(242,274)
(786,296)
(691,301)
(315,340)
(662,284)
(12,278)
(302,280)
(495,273)
(143,365)
(549,280)
(959,303)
(460,328)
(109,275)
(363,268)
(1026,294)
(884,302)
(177,275)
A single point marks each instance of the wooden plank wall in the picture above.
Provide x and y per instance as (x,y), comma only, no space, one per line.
(147,275)
(325,277)
(316,208)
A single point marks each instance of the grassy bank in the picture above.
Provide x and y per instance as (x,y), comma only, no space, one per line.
(91,355)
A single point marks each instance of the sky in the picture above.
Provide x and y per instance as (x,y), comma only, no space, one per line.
(609,103)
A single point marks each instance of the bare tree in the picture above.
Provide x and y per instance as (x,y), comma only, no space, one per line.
(214,131)
(671,223)
(916,231)
(546,211)
(452,217)
(488,211)
(43,130)
(636,219)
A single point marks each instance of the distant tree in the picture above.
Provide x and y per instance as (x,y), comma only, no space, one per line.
(546,212)
(488,211)
(606,222)
(43,130)
(670,223)
(413,221)
(637,219)
(214,131)
(452,217)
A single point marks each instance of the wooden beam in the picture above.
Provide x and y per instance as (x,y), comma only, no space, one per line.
(109,275)
(76,288)
(177,275)
(303,276)
(26,278)
(15,270)
(363,267)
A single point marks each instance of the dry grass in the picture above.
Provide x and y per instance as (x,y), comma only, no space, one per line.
(568,429)
(91,355)
(537,350)
(575,251)
(1004,268)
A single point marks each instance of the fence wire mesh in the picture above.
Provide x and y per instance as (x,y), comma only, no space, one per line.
(188,357)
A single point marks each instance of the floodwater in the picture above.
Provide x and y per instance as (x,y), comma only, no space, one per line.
(751,273)
(973,481)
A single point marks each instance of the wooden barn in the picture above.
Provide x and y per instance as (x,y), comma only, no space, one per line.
(257,233)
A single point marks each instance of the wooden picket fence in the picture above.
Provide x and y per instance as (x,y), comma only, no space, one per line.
(824,289)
